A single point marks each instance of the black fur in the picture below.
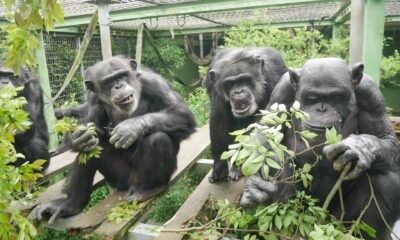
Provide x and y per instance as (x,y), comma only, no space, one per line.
(140,137)
(336,96)
(261,69)
(33,143)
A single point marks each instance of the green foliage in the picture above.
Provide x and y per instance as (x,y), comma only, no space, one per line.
(69,124)
(50,234)
(390,70)
(199,103)
(172,53)
(96,196)
(14,180)
(299,215)
(298,44)
(123,212)
(27,17)
(166,206)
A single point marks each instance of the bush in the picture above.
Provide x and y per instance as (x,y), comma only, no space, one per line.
(390,70)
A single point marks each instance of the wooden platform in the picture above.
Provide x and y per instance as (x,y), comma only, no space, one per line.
(94,219)
(230,190)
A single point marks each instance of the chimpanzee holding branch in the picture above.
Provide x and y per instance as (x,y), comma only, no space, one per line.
(239,83)
(335,95)
(141,122)
(32,143)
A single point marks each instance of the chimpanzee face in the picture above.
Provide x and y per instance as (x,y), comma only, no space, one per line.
(114,81)
(7,78)
(242,85)
(325,90)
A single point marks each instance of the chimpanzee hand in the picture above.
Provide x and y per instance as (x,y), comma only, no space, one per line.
(256,190)
(358,149)
(55,209)
(126,133)
(83,140)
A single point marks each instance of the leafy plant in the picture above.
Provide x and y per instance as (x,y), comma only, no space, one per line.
(390,70)
(199,103)
(123,212)
(27,17)
(297,44)
(96,196)
(166,206)
(14,180)
(69,124)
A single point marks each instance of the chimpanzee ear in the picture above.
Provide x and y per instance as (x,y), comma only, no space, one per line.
(90,85)
(357,73)
(211,75)
(294,77)
(133,64)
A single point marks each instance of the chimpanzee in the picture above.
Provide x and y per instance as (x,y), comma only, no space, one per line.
(335,95)
(148,120)
(239,83)
(32,143)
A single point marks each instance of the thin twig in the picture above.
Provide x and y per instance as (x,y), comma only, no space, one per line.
(341,204)
(357,222)
(336,186)
(379,208)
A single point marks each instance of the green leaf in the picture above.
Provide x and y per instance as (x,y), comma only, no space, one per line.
(278,222)
(266,171)
(332,137)
(251,167)
(273,164)
(227,154)
(366,228)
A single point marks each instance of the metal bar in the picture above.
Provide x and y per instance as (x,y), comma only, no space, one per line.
(162,33)
(139,45)
(374,24)
(356,31)
(105,36)
(188,8)
(343,11)
(43,75)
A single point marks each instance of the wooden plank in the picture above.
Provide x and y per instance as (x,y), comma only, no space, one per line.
(230,190)
(54,192)
(190,151)
(60,162)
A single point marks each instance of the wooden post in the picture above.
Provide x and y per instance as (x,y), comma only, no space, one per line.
(43,76)
(139,45)
(356,31)
(104,23)
(374,24)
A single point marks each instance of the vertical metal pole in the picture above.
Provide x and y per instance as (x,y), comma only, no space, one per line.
(139,45)
(201,45)
(356,31)
(336,31)
(104,23)
(43,76)
(374,25)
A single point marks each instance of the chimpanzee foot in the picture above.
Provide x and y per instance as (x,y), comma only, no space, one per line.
(55,209)
(141,195)
(218,177)
(235,173)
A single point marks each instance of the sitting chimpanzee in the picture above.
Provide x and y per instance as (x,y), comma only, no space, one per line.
(32,143)
(148,121)
(239,83)
(335,95)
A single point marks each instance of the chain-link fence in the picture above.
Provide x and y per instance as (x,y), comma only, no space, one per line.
(61,50)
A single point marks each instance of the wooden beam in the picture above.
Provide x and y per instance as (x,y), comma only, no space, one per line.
(356,30)
(139,45)
(43,75)
(105,36)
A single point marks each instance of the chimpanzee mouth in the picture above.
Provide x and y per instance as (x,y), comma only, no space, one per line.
(240,111)
(316,128)
(125,100)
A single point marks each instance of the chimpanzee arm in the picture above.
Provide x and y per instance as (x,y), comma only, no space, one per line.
(283,92)
(78,111)
(171,115)
(375,147)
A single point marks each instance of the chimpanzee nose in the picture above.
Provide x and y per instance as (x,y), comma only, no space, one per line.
(118,85)
(322,108)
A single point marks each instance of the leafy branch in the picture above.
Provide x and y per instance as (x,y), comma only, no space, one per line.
(68,124)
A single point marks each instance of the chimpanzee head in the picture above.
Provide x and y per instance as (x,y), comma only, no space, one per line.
(238,77)
(115,82)
(7,77)
(325,89)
